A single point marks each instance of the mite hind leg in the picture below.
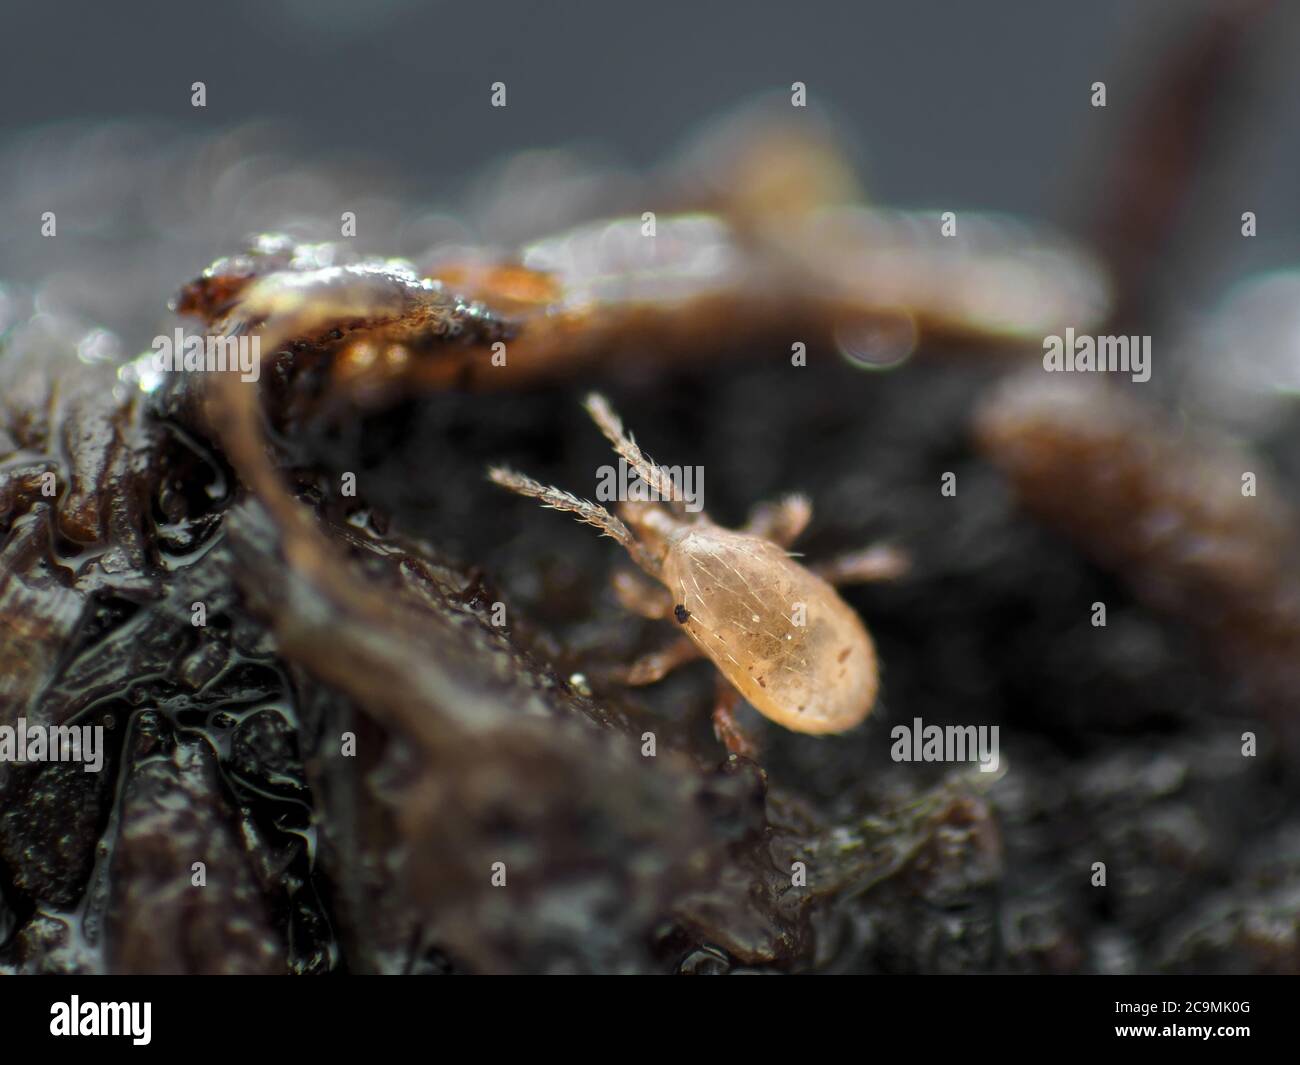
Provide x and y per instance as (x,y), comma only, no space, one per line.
(725,726)
(782,522)
(880,562)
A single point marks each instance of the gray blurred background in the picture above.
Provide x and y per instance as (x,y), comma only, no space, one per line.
(951,103)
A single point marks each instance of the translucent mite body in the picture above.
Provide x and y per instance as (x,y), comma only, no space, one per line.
(778,632)
(741,595)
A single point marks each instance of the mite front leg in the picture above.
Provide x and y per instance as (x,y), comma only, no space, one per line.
(590,513)
(609,423)
(880,562)
(725,726)
(656,665)
(782,522)
(650,600)
(647,599)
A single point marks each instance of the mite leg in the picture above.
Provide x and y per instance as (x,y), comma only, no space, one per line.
(782,522)
(880,562)
(555,499)
(650,600)
(647,599)
(725,725)
(656,665)
(609,423)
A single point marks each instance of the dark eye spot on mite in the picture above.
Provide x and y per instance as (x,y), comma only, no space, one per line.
(844,654)
(760,683)
(681,614)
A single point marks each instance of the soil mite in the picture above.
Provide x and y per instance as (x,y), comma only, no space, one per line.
(777,631)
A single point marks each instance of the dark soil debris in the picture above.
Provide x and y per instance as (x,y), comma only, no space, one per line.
(374,774)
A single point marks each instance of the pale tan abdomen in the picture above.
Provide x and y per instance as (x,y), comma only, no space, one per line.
(742,595)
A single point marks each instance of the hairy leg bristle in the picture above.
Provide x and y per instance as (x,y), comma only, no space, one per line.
(584,510)
(611,426)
